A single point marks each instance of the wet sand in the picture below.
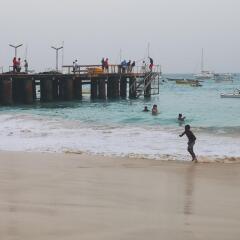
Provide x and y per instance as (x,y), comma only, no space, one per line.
(75,196)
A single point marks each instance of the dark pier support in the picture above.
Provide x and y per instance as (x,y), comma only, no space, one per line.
(18,89)
(27,91)
(34,89)
(68,89)
(102,88)
(115,87)
(46,87)
(94,88)
(6,91)
(55,88)
(123,87)
(132,87)
(77,88)
(109,88)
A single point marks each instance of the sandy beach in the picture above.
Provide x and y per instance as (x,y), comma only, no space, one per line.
(76,196)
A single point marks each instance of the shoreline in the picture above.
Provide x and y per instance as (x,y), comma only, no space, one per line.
(164,158)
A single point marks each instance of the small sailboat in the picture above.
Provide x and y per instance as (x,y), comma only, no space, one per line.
(204,74)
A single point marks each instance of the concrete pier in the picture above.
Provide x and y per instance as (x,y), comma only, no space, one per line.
(20,88)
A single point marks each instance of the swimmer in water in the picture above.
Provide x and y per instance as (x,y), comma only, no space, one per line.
(145,109)
(181,118)
(154,110)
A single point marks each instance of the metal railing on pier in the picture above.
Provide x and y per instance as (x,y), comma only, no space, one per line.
(112,69)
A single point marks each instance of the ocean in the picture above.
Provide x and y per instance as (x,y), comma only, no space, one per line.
(121,128)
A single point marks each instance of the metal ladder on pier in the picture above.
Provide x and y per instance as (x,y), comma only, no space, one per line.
(141,84)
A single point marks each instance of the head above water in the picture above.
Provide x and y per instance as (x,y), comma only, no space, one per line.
(179,115)
(187,127)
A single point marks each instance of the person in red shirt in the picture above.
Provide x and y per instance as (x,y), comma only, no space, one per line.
(151,64)
(14,64)
(18,65)
(106,65)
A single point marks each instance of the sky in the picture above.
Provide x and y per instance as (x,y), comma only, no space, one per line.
(176,30)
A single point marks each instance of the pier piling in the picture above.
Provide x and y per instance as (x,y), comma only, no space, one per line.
(46,88)
(101,88)
(6,91)
(77,88)
(68,89)
(94,88)
(27,91)
(123,87)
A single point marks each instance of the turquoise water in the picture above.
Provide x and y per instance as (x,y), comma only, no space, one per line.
(202,107)
(121,128)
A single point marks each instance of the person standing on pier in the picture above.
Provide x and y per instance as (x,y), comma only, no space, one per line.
(26,66)
(103,63)
(124,66)
(132,66)
(151,64)
(129,66)
(14,64)
(75,66)
(106,64)
(19,65)
(144,67)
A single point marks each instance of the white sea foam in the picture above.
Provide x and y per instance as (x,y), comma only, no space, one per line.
(20,132)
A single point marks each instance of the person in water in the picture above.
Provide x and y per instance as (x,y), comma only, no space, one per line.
(181,118)
(154,110)
(145,109)
(191,141)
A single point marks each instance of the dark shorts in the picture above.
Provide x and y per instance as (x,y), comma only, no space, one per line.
(190,145)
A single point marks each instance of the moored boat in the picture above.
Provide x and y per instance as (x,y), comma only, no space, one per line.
(235,94)
(223,77)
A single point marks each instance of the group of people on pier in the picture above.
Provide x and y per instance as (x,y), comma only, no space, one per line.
(17,65)
(127,66)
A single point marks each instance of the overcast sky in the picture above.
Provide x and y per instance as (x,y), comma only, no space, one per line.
(177,30)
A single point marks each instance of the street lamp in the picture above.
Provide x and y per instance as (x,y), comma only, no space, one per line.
(57,49)
(15,47)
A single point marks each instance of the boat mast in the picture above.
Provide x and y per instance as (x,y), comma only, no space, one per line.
(148,50)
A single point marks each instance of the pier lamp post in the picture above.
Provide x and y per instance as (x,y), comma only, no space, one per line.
(15,47)
(57,49)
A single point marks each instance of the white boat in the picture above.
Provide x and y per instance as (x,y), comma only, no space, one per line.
(204,74)
(235,94)
(223,77)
